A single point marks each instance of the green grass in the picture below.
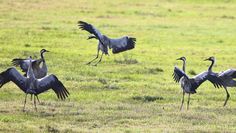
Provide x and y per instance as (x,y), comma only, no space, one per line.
(128,92)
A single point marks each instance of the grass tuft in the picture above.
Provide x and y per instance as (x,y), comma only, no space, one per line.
(147,98)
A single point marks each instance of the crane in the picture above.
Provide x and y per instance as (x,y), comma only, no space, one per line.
(190,85)
(227,76)
(39,66)
(32,85)
(117,45)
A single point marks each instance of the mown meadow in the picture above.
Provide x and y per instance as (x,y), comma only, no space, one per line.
(128,92)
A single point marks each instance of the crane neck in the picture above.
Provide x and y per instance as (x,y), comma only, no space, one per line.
(184,65)
(212,63)
(42,56)
(30,73)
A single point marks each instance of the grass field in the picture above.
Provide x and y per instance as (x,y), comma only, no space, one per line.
(128,92)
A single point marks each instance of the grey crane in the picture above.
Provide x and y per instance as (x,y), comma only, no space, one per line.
(32,85)
(39,66)
(190,85)
(227,76)
(117,45)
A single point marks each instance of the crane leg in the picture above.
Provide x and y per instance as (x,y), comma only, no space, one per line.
(24,102)
(38,99)
(35,103)
(182,101)
(94,58)
(227,96)
(188,101)
(99,60)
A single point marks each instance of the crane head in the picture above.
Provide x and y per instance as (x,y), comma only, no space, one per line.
(212,58)
(44,50)
(182,58)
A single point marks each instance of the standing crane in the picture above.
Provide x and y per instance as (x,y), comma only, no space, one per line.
(117,45)
(190,85)
(227,76)
(32,85)
(39,66)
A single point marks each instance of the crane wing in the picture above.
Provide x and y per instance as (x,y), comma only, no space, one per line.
(52,82)
(230,73)
(24,63)
(228,76)
(122,44)
(216,80)
(210,76)
(178,74)
(13,75)
(91,29)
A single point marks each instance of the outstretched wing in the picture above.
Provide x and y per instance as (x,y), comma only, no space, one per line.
(178,74)
(210,76)
(230,73)
(13,75)
(228,76)
(23,63)
(91,29)
(122,44)
(52,82)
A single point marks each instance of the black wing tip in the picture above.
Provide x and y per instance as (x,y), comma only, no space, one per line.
(83,25)
(62,93)
(132,41)
(81,22)
(16,61)
(132,38)
(87,27)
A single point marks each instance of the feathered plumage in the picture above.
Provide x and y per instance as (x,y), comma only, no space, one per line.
(190,85)
(33,86)
(40,85)
(39,66)
(227,76)
(117,45)
(193,83)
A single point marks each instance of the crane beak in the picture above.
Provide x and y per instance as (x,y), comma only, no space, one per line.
(206,59)
(91,37)
(178,59)
(47,51)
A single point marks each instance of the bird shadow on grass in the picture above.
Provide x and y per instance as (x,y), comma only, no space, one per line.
(147,98)
(126,60)
(47,110)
